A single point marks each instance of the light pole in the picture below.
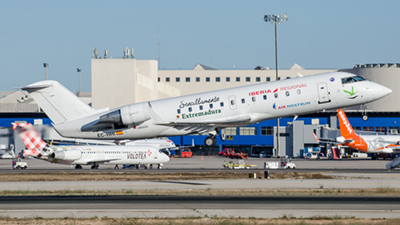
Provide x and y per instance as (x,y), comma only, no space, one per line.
(79,71)
(45,65)
(277,19)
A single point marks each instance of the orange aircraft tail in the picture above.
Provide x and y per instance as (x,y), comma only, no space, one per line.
(346,130)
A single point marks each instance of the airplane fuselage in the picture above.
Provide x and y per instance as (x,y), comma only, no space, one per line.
(240,106)
(113,155)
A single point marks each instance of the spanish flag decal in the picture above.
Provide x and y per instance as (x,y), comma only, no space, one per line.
(275,90)
(119,132)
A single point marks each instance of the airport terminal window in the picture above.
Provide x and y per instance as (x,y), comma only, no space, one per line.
(279,78)
(394,130)
(368,128)
(229,131)
(197,79)
(228,79)
(380,129)
(187,79)
(248,131)
(178,79)
(276,95)
(237,79)
(159,79)
(268,78)
(201,107)
(207,79)
(356,128)
(217,79)
(253,99)
(167,79)
(190,109)
(287,93)
(265,97)
(258,79)
(267,130)
(221,104)
(287,78)
(211,106)
(243,101)
(178,111)
(247,79)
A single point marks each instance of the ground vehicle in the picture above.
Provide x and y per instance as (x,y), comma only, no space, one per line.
(18,164)
(241,165)
(285,163)
(186,153)
(230,153)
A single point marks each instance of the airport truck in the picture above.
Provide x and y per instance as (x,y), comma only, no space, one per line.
(285,163)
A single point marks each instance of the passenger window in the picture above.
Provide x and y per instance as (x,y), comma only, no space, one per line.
(211,106)
(265,97)
(222,104)
(287,93)
(243,101)
(298,91)
(190,109)
(201,107)
(276,95)
(253,99)
(232,102)
(178,111)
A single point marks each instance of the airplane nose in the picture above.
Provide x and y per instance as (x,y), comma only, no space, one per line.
(386,91)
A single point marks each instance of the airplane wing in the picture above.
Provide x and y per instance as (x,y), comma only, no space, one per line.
(230,121)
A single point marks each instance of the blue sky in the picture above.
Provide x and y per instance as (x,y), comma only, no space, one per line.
(317,35)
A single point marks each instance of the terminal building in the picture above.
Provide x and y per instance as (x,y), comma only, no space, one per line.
(127,80)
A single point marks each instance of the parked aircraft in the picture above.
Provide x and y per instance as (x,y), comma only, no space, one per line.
(88,154)
(374,144)
(206,112)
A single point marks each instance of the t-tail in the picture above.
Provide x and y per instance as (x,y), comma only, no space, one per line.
(348,136)
(57,102)
(35,146)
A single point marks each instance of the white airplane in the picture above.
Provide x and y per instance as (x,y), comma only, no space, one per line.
(206,112)
(375,144)
(88,154)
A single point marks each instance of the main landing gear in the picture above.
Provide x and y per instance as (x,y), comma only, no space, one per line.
(211,140)
(95,166)
(79,167)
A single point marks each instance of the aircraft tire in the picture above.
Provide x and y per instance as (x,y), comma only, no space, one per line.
(209,141)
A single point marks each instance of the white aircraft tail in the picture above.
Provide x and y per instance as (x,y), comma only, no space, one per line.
(57,102)
(36,147)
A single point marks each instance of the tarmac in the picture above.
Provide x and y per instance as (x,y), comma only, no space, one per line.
(307,208)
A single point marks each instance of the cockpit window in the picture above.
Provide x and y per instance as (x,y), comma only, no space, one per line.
(352,79)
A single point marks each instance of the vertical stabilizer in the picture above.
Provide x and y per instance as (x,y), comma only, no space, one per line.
(36,147)
(57,102)
(346,130)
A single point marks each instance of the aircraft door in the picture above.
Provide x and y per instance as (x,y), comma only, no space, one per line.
(323,93)
(232,102)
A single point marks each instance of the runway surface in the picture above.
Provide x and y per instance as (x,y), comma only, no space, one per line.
(203,206)
(354,173)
